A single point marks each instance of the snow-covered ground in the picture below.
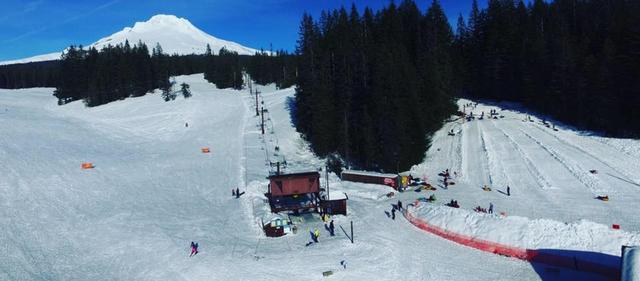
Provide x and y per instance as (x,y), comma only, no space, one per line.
(152,192)
(548,171)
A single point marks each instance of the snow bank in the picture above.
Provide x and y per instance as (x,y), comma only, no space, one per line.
(582,246)
(631,264)
(526,233)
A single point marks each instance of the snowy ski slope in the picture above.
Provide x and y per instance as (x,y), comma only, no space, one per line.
(548,171)
(152,192)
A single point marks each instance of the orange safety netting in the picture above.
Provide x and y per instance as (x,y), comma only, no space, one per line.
(531,255)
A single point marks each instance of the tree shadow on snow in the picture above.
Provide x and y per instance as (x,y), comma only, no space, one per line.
(558,264)
(291,107)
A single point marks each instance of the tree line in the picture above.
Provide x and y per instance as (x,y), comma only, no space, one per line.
(117,72)
(269,67)
(29,75)
(121,71)
(575,60)
(373,87)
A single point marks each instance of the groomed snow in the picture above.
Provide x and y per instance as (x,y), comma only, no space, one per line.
(548,172)
(152,192)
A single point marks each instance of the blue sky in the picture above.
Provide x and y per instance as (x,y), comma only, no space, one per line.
(35,27)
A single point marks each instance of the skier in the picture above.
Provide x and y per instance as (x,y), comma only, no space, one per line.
(331,228)
(233,192)
(508,191)
(194,249)
(490,208)
(316,234)
(393,214)
(237,192)
(186,125)
(399,205)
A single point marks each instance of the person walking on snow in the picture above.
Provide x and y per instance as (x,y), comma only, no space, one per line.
(331,228)
(490,208)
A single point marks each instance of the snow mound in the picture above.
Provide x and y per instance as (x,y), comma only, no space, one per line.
(528,233)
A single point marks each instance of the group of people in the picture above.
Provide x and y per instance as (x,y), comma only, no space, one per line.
(236,192)
(453,203)
(394,208)
(446,177)
(483,210)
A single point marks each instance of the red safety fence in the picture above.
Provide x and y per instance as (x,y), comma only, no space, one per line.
(530,255)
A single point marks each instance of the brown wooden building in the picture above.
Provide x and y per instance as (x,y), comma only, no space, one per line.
(294,192)
(391,180)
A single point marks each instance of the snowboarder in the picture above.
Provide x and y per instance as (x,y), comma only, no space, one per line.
(331,228)
(490,208)
(508,191)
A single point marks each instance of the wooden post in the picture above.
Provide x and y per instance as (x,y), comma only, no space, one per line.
(351,232)
(262,121)
(257,113)
(326,172)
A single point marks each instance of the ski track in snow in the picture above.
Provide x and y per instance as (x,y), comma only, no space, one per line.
(491,162)
(531,167)
(497,174)
(579,172)
(612,165)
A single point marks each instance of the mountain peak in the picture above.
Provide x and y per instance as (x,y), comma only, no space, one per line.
(176,36)
(166,20)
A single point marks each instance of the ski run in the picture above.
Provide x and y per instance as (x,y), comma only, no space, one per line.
(152,191)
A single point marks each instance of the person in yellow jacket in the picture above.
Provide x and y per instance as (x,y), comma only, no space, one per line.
(314,235)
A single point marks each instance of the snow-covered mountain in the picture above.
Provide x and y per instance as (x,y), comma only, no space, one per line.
(175,35)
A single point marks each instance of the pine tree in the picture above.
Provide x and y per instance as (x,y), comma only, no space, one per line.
(184,89)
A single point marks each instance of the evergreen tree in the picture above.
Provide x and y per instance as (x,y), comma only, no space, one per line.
(184,89)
